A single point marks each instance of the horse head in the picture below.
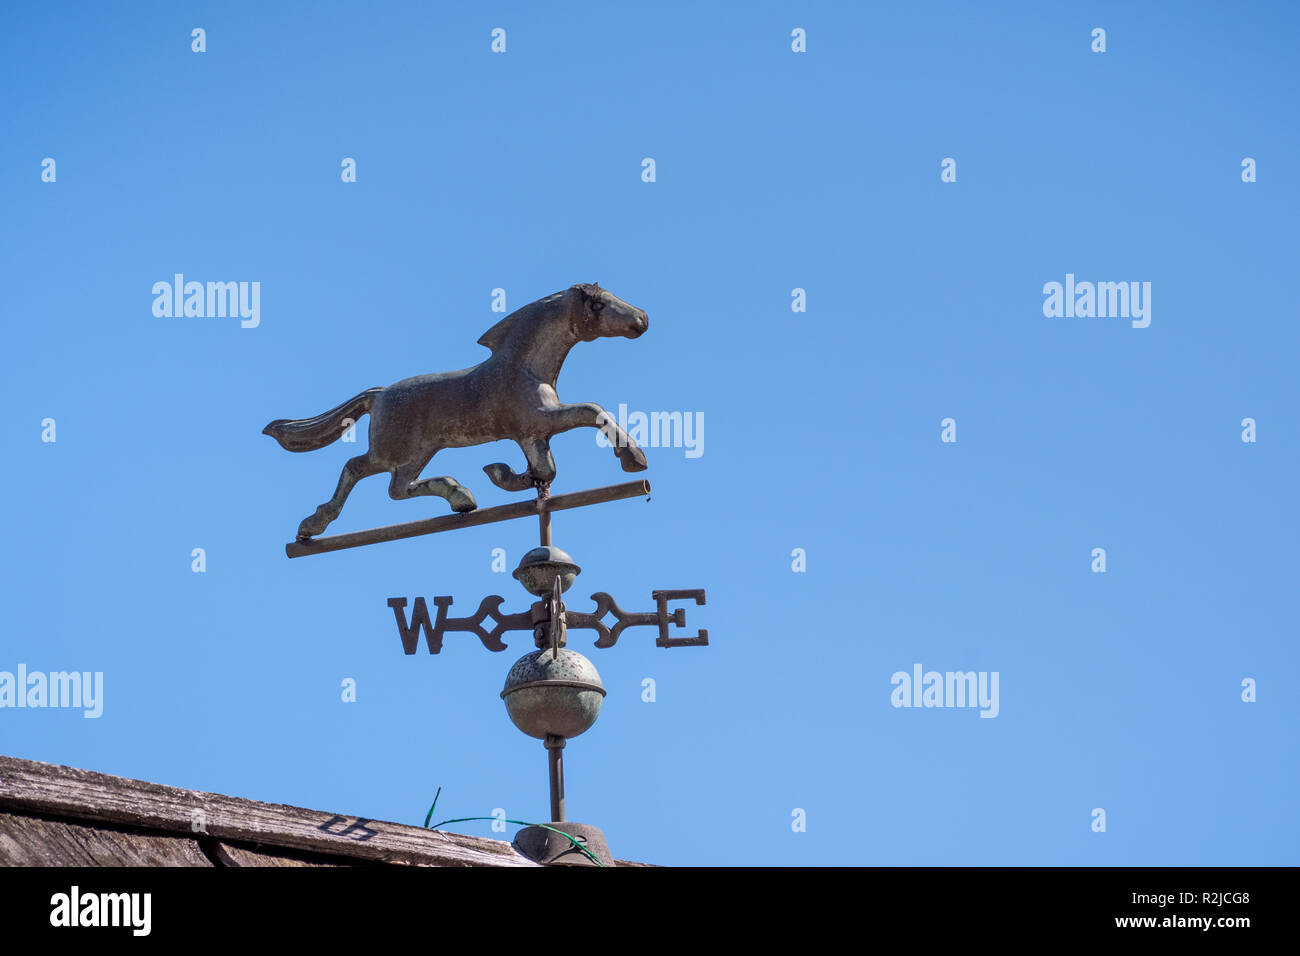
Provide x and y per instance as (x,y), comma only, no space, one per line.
(581,313)
(598,313)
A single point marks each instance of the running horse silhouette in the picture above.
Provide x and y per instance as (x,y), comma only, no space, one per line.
(509,396)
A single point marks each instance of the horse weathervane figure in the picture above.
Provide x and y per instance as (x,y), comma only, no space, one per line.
(511,395)
(552,693)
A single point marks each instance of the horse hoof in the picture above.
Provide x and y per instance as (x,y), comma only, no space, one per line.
(312,526)
(505,479)
(461,500)
(634,460)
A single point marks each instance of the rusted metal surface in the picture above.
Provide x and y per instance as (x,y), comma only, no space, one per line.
(548,847)
(490,606)
(677,618)
(555,763)
(544,514)
(512,395)
(550,633)
(539,567)
(520,509)
(553,694)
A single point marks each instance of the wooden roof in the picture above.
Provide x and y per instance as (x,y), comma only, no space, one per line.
(60,816)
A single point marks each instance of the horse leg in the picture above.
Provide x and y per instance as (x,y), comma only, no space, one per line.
(355,469)
(541,467)
(407,483)
(590,415)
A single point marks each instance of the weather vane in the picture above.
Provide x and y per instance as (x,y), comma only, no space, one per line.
(552,693)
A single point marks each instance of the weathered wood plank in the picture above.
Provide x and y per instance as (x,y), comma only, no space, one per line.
(86,796)
(35,841)
(231,854)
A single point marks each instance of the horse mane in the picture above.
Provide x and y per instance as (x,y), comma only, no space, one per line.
(496,336)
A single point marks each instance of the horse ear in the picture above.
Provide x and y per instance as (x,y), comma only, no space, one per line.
(495,337)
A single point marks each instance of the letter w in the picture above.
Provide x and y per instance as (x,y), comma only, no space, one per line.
(419,619)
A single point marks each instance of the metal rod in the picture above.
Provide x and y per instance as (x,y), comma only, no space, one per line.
(555,753)
(543,514)
(520,509)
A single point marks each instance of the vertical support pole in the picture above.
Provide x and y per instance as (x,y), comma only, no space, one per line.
(544,514)
(555,751)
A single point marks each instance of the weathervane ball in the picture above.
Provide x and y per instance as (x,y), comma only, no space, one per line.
(553,694)
(538,568)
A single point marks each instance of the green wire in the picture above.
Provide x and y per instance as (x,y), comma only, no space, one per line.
(434,804)
(522,823)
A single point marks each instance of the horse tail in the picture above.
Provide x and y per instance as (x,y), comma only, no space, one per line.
(308,434)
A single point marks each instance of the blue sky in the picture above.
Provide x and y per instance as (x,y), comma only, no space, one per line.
(775,170)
